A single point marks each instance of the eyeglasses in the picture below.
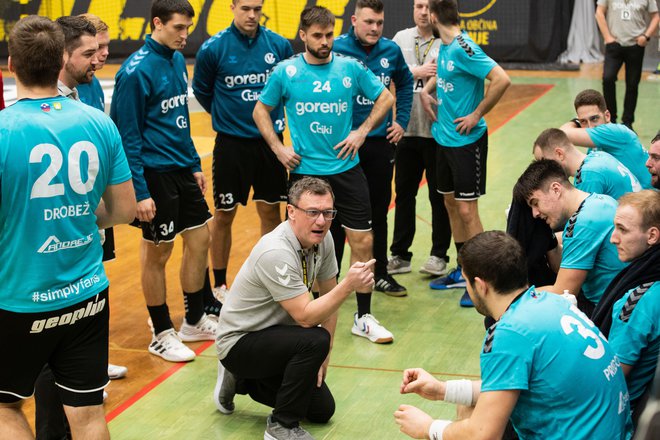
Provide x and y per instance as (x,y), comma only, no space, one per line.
(328,214)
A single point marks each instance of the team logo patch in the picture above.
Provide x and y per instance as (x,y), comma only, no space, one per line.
(385,63)
(45,107)
(57,105)
(269,58)
(233,59)
(164,80)
(291,70)
(450,66)
(347,82)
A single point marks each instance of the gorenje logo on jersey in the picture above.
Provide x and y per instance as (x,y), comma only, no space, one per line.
(385,79)
(247,79)
(174,102)
(53,244)
(92,308)
(338,108)
(445,85)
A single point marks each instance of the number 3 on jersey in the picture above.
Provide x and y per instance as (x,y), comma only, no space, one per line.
(320,87)
(570,324)
(43,188)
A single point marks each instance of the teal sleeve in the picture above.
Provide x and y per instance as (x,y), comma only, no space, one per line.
(508,365)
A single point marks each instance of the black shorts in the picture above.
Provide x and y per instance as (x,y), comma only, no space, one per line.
(241,163)
(73,341)
(109,244)
(180,204)
(462,170)
(351,197)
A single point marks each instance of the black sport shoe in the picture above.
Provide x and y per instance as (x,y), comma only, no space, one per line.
(389,286)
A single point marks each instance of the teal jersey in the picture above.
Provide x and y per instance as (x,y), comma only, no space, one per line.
(635,335)
(601,173)
(92,94)
(586,245)
(462,69)
(570,379)
(622,143)
(57,156)
(319,100)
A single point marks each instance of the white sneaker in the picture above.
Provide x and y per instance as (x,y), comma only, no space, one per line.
(396,264)
(368,327)
(434,266)
(220,293)
(167,345)
(204,330)
(116,371)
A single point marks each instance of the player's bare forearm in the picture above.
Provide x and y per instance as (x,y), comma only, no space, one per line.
(261,116)
(381,106)
(499,82)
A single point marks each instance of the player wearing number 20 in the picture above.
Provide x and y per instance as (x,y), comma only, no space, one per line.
(58,157)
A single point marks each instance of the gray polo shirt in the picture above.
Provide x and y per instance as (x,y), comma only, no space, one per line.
(425,51)
(272,273)
(627,31)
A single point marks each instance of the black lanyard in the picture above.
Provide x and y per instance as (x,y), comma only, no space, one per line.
(426,52)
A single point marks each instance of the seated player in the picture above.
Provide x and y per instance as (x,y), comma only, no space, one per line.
(597,172)
(532,358)
(586,262)
(592,129)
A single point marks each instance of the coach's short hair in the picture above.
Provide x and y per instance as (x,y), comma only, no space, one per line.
(375,5)
(647,202)
(656,138)
(446,11)
(99,25)
(318,15)
(36,48)
(74,27)
(312,185)
(164,9)
(497,258)
(538,176)
(551,138)
(590,97)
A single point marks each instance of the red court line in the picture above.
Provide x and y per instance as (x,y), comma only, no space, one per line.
(151,385)
(160,379)
(545,87)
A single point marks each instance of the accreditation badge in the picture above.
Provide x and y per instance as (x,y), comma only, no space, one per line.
(626,13)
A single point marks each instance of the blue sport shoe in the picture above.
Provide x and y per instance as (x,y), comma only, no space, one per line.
(465,300)
(454,280)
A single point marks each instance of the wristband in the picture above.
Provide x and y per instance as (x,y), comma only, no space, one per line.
(647,37)
(459,391)
(437,428)
(576,121)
